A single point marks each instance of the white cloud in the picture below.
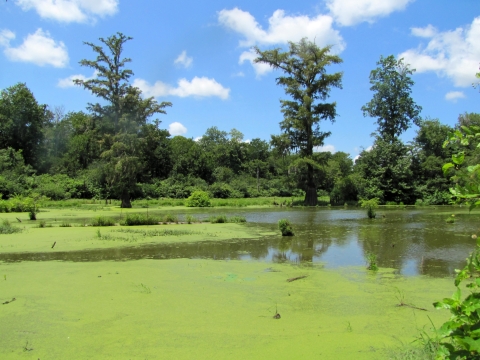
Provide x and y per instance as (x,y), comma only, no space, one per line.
(197,87)
(324,148)
(281,30)
(177,128)
(198,138)
(260,68)
(68,81)
(454,96)
(38,48)
(453,54)
(426,32)
(70,10)
(183,60)
(351,12)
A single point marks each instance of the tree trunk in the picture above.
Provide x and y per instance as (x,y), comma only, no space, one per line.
(311,194)
(126,201)
(311,197)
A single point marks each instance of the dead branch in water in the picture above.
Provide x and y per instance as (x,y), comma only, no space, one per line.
(297,278)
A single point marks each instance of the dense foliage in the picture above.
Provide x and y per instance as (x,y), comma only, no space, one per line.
(117,149)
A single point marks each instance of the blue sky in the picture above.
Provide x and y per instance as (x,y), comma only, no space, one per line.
(197,55)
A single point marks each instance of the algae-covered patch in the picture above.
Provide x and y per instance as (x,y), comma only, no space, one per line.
(203,309)
(79,238)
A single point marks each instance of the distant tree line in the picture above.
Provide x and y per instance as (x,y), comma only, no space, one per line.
(116,148)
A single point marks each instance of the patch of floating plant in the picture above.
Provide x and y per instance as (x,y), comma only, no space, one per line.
(158,232)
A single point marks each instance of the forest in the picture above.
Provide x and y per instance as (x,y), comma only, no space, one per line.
(116,149)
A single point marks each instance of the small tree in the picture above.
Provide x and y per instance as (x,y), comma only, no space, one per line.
(309,85)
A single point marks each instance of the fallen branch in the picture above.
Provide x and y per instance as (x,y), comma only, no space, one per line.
(8,302)
(297,278)
(410,306)
(54,244)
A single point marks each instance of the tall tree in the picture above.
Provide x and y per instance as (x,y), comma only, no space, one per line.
(22,121)
(308,84)
(120,121)
(392,104)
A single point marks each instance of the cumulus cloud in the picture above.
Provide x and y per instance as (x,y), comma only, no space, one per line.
(70,10)
(38,48)
(250,56)
(183,60)
(281,29)
(177,128)
(454,96)
(197,87)
(68,81)
(453,54)
(351,12)
(324,148)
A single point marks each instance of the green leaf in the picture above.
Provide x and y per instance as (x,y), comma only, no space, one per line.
(458,158)
(446,167)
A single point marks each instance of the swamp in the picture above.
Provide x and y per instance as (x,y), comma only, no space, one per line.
(228,290)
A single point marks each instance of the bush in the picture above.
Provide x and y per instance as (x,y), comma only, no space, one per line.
(103,221)
(170,218)
(7,228)
(285,227)
(140,219)
(219,219)
(198,199)
(370,205)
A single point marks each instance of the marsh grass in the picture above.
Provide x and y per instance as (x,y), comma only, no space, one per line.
(285,227)
(217,219)
(102,221)
(65,224)
(7,228)
(140,219)
(170,218)
(191,219)
(371,262)
(237,219)
(157,232)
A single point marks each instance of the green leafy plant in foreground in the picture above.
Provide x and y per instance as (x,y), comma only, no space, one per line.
(459,337)
(372,261)
(371,205)
(285,227)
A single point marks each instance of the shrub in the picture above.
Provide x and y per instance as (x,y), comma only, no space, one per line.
(285,227)
(7,228)
(190,219)
(219,219)
(237,219)
(170,218)
(198,199)
(370,205)
(103,221)
(140,219)
(42,224)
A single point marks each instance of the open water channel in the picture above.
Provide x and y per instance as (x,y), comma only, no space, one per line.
(411,241)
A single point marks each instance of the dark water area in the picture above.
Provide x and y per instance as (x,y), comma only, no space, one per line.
(412,241)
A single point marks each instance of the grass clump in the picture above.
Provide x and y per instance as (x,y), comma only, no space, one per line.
(372,262)
(451,219)
(198,199)
(139,219)
(102,221)
(170,218)
(7,228)
(237,219)
(191,219)
(65,224)
(218,219)
(285,227)
(370,205)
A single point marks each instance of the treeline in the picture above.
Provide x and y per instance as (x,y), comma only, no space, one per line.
(115,150)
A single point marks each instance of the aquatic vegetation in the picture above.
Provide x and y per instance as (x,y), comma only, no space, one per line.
(217,219)
(102,221)
(140,219)
(370,205)
(237,219)
(372,261)
(170,218)
(285,227)
(7,228)
(65,224)
(191,219)
(158,232)
(450,219)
